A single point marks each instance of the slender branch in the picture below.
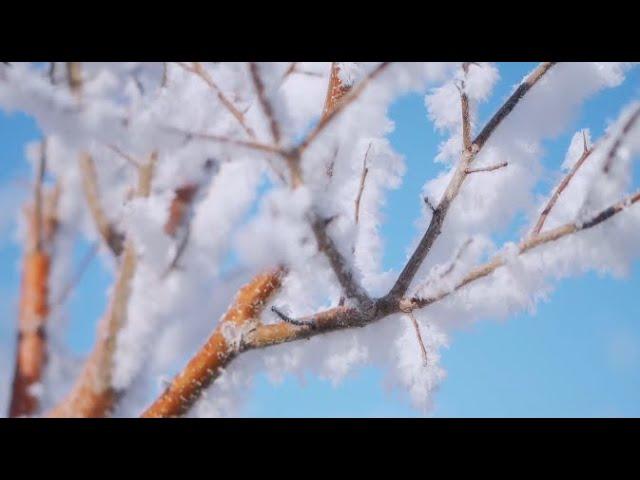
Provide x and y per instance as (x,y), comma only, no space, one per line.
(252,145)
(613,152)
(525,245)
(75,279)
(197,69)
(515,98)
(490,168)
(265,104)
(337,261)
(363,178)
(339,107)
(416,327)
(286,318)
(561,187)
(439,213)
(113,238)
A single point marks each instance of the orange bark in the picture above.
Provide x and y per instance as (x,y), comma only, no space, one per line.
(31,348)
(205,366)
(218,351)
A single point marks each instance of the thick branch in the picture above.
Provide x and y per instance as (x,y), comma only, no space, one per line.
(31,348)
(219,349)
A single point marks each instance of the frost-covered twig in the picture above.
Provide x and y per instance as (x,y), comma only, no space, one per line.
(265,104)
(197,69)
(439,213)
(490,168)
(363,179)
(337,261)
(251,145)
(416,327)
(515,98)
(338,107)
(586,152)
(113,238)
(613,152)
(525,245)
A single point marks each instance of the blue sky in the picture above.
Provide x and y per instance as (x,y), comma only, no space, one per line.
(578,354)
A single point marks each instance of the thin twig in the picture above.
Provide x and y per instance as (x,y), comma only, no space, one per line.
(198,70)
(75,279)
(252,145)
(113,238)
(37,197)
(346,100)
(286,318)
(490,168)
(561,187)
(265,104)
(363,178)
(613,152)
(419,337)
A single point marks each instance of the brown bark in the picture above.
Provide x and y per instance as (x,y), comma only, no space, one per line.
(218,351)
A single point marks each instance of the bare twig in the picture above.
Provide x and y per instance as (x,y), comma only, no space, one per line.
(363,178)
(75,279)
(252,145)
(561,187)
(416,327)
(490,168)
(286,318)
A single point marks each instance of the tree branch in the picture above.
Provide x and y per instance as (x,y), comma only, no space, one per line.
(265,104)
(561,187)
(113,238)
(219,349)
(197,69)
(439,213)
(93,394)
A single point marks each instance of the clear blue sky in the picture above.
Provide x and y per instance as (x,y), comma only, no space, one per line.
(578,355)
